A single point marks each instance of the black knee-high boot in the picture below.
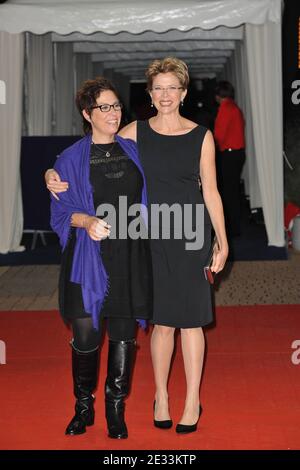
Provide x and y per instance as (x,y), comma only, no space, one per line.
(85,373)
(121,357)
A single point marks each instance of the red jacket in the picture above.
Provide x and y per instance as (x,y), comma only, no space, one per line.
(229,126)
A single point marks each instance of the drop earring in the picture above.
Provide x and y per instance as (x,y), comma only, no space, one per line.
(152,104)
(181,103)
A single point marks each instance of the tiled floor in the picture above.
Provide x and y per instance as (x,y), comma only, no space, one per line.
(242,283)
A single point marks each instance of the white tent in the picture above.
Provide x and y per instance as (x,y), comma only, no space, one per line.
(236,39)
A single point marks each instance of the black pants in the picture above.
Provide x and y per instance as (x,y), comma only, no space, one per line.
(229,169)
(87,338)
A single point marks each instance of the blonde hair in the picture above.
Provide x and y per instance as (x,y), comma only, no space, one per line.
(168,64)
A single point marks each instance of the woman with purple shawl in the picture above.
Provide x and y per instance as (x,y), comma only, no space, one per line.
(103,274)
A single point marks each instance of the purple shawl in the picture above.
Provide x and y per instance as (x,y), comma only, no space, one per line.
(73,165)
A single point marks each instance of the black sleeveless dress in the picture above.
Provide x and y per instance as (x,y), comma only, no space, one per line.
(181,294)
(127,261)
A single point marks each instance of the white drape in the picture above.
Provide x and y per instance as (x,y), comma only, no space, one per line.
(11,77)
(83,71)
(39,58)
(265,82)
(250,173)
(240,77)
(64,89)
(235,71)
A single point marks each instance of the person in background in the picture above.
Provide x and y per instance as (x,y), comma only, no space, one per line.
(229,135)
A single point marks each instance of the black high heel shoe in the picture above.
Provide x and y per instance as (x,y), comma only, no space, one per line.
(187,428)
(164,424)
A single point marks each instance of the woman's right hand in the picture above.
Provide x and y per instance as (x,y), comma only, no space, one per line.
(54,183)
(97,229)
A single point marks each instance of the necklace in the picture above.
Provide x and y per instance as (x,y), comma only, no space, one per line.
(106,152)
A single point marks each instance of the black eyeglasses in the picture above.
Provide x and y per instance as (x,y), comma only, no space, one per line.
(105,108)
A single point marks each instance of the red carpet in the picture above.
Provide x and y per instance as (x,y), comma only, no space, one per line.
(250,392)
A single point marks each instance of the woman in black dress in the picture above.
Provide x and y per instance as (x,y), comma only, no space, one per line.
(112,172)
(174,152)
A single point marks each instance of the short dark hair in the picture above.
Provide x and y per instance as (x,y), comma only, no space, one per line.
(87,95)
(224,89)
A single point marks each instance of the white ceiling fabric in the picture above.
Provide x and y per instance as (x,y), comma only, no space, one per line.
(192,46)
(174,35)
(148,56)
(131,53)
(135,16)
